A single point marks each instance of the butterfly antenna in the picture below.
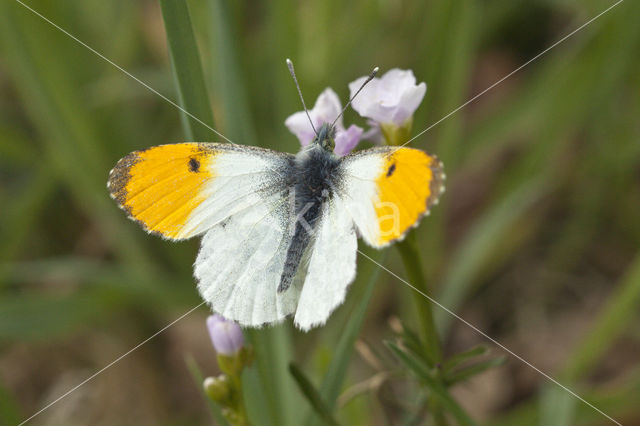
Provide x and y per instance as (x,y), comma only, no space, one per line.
(373,74)
(295,80)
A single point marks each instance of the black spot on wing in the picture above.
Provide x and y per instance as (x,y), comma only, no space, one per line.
(392,169)
(194,165)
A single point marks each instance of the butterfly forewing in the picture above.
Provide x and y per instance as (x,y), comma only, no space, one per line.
(182,190)
(388,190)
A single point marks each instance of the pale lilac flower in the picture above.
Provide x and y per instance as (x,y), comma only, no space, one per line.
(325,110)
(389,100)
(226,335)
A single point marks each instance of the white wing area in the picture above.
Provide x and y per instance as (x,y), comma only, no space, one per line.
(239,174)
(332,266)
(241,260)
(360,191)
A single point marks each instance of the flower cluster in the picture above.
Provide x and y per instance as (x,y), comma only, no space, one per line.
(388,103)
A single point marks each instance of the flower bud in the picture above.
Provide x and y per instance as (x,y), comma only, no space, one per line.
(226,335)
(217,388)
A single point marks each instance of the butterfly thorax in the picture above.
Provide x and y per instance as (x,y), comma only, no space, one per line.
(315,177)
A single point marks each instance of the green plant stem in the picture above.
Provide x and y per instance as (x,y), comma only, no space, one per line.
(427,326)
(240,408)
(428,332)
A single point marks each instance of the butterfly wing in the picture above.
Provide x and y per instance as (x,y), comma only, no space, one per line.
(241,261)
(381,192)
(181,190)
(332,265)
(387,190)
(238,197)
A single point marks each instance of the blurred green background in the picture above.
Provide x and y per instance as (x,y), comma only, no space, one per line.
(535,241)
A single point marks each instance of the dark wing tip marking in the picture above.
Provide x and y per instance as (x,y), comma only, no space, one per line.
(119,177)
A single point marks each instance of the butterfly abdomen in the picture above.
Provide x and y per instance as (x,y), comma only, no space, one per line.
(315,174)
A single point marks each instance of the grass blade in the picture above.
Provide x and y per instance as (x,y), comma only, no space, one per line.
(273,353)
(227,75)
(455,360)
(336,374)
(187,69)
(613,319)
(312,394)
(557,407)
(332,382)
(472,370)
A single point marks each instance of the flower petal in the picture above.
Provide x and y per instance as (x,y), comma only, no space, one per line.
(346,140)
(325,110)
(392,98)
(299,125)
(410,100)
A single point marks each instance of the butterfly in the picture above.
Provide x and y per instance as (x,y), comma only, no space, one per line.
(279,231)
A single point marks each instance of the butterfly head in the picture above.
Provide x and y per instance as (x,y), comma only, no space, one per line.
(325,138)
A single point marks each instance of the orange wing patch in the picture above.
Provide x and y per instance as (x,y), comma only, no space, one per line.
(408,185)
(161,186)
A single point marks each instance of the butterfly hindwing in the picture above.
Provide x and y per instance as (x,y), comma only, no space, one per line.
(332,265)
(241,260)
(389,189)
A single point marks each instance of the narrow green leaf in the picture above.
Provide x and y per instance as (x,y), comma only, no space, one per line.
(255,400)
(412,341)
(312,395)
(473,370)
(454,360)
(337,372)
(273,353)
(422,371)
(187,69)
(332,382)
(613,319)
(557,407)
(228,76)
